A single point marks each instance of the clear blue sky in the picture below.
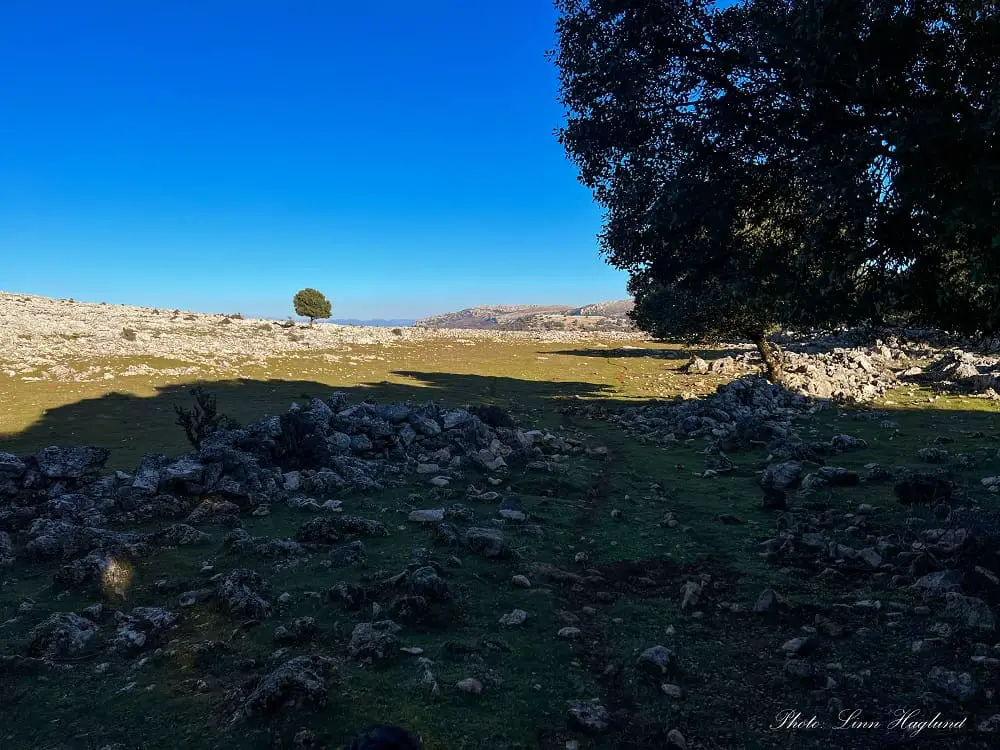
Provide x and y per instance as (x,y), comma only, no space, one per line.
(219,155)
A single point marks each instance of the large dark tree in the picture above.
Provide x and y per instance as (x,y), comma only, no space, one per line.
(785,163)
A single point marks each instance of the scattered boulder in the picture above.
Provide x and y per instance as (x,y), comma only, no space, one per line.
(63,635)
(299,629)
(470,685)
(6,549)
(320,530)
(426,582)
(958,685)
(238,593)
(433,515)
(933,455)
(846,443)
(782,476)
(514,618)
(298,682)
(141,628)
(972,612)
(769,602)
(592,718)
(657,661)
(363,526)
(349,595)
(180,535)
(488,543)
(375,643)
(830,476)
(940,581)
(75,462)
(350,554)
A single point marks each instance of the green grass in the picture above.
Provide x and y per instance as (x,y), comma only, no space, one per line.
(730,662)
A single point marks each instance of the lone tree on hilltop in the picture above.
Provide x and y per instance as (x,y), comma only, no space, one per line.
(310,303)
(770,164)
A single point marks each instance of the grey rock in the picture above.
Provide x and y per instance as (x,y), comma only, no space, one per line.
(352,553)
(972,612)
(11,466)
(769,602)
(238,593)
(374,642)
(941,581)
(488,543)
(657,661)
(393,413)
(292,481)
(338,443)
(6,549)
(63,635)
(70,461)
(424,426)
(957,685)
(470,685)
(592,718)
(782,476)
(298,630)
(427,583)
(933,455)
(514,618)
(361,443)
(298,682)
(455,418)
(180,535)
(847,443)
(428,515)
(801,646)
(362,526)
(141,628)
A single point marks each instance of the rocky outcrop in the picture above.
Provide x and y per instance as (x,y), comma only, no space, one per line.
(55,505)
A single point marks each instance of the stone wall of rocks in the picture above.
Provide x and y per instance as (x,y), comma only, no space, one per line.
(58,504)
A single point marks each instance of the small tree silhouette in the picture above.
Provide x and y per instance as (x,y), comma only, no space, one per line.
(203,419)
(310,303)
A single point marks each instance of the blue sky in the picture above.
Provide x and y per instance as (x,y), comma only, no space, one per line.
(218,155)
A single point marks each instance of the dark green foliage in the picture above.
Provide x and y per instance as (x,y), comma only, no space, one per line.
(310,303)
(778,163)
(203,418)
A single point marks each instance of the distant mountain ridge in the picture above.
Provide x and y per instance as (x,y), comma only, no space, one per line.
(376,322)
(599,316)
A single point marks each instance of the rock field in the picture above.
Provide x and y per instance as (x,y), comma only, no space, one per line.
(50,339)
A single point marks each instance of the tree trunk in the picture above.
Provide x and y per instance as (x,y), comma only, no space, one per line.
(771,364)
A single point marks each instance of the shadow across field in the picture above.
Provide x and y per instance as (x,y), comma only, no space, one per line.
(730,664)
(130,425)
(651,352)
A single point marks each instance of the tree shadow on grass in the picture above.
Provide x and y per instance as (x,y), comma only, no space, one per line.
(652,352)
(131,426)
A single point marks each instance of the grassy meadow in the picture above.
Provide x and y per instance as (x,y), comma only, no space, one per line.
(730,662)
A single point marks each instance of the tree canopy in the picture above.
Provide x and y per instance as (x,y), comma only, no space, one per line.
(310,303)
(790,163)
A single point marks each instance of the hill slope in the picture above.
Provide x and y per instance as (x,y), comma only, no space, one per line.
(600,316)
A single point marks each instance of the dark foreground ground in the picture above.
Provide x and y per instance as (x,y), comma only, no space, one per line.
(630,546)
